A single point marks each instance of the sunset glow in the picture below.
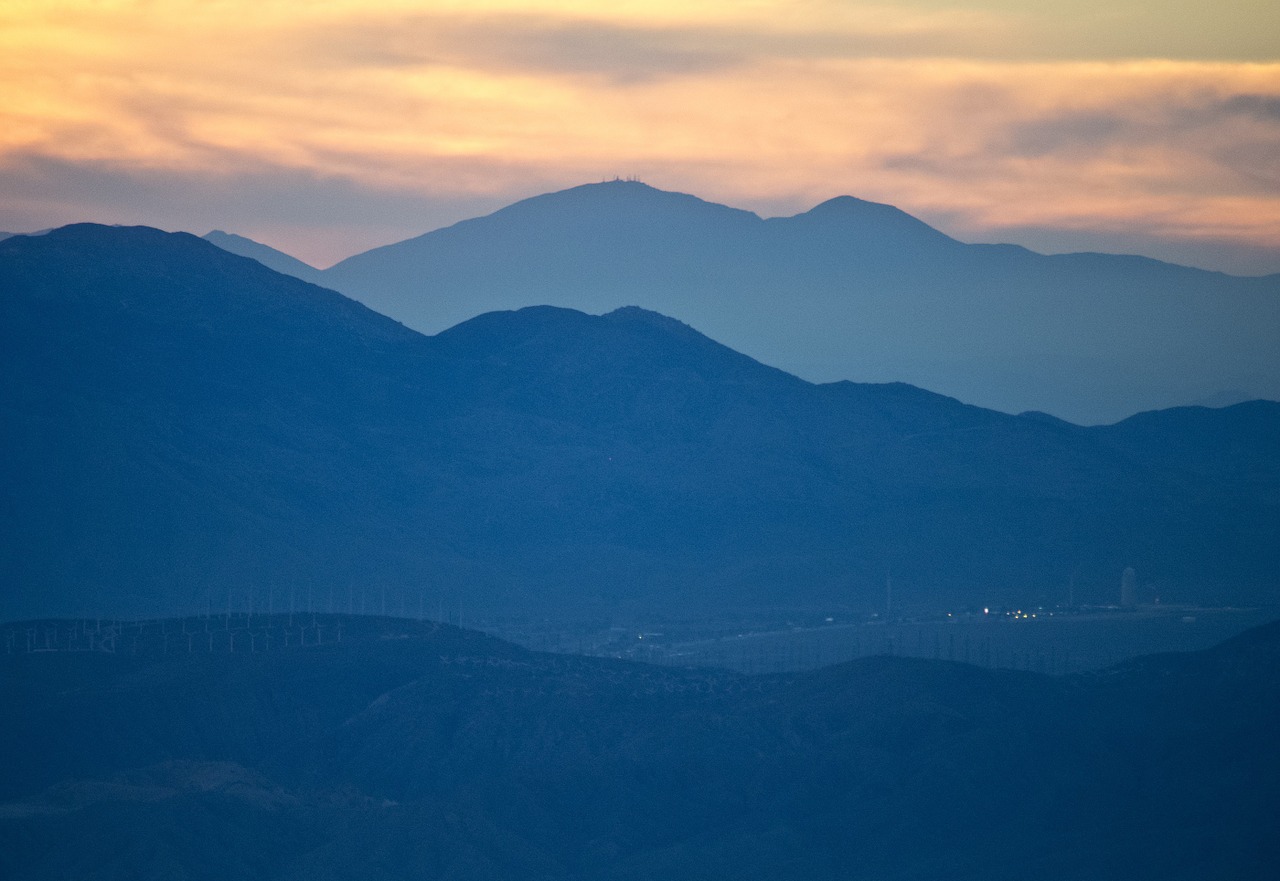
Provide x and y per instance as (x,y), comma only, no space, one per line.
(981,117)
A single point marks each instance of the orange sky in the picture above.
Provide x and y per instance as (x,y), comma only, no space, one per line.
(327,127)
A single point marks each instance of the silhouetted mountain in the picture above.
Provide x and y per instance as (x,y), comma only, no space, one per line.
(324,747)
(264,254)
(852,290)
(184,427)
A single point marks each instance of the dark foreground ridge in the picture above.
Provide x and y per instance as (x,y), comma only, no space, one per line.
(382,748)
(184,429)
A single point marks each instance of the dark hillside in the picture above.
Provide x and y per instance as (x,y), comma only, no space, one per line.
(393,749)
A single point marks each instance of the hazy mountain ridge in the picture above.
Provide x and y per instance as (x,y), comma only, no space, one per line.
(851,290)
(401,748)
(185,426)
(264,254)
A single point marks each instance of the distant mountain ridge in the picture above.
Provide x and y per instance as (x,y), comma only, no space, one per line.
(264,254)
(185,427)
(851,290)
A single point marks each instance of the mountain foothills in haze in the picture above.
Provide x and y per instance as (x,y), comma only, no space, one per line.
(325,747)
(852,290)
(184,427)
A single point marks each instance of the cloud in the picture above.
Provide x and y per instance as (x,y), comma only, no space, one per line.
(1265,108)
(524,45)
(1072,131)
(625,51)
(1221,143)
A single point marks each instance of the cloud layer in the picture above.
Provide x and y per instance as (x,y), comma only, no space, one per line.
(980,116)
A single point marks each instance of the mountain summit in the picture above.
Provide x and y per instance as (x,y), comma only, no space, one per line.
(859,221)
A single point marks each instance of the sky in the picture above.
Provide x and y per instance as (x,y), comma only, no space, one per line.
(331,126)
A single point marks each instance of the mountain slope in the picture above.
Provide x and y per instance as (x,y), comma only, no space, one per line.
(264,254)
(184,428)
(167,401)
(852,290)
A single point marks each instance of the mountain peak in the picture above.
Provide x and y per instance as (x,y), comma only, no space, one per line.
(624,199)
(849,204)
(869,216)
(110,243)
(640,315)
(628,346)
(559,325)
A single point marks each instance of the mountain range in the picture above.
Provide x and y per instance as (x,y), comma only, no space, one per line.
(851,290)
(332,747)
(185,429)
